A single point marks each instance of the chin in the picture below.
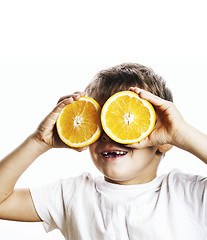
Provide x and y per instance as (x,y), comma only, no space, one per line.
(118,177)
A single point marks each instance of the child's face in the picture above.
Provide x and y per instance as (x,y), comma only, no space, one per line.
(123,165)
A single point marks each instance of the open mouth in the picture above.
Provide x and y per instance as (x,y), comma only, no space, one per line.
(113,154)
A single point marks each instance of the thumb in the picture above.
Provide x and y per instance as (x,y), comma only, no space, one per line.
(140,145)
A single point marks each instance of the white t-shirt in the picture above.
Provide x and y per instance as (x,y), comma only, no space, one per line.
(172,206)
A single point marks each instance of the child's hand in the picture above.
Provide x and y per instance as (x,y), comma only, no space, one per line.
(168,121)
(46,133)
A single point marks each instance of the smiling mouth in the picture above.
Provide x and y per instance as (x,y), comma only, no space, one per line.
(113,154)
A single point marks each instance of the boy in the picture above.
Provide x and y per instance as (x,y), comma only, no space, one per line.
(130,202)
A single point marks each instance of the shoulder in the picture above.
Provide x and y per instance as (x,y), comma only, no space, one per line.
(63,189)
(78,181)
(189,188)
(191,193)
(185,180)
(80,185)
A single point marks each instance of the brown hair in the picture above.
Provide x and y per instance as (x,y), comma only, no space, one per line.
(122,77)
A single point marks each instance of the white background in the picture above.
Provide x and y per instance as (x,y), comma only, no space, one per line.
(52,48)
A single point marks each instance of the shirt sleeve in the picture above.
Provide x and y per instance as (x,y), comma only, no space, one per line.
(51,202)
(192,191)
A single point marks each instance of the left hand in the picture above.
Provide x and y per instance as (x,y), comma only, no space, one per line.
(168,121)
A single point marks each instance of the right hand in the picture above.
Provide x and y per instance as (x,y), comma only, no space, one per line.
(46,132)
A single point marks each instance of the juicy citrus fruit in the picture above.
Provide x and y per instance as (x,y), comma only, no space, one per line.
(126,118)
(78,124)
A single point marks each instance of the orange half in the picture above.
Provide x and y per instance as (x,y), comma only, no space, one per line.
(126,118)
(78,124)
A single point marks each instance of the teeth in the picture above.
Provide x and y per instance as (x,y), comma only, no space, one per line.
(105,153)
(114,152)
(120,152)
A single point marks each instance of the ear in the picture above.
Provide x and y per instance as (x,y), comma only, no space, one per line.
(164,148)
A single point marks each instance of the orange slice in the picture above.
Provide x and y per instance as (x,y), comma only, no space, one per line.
(78,124)
(126,118)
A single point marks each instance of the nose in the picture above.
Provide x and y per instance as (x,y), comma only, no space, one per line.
(104,137)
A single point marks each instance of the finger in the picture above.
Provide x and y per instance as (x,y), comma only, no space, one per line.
(64,101)
(63,104)
(75,95)
(63,98)
(82,94)
(155,100)
(142,144)
(50,120)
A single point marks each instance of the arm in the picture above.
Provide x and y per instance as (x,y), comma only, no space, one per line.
(17,204)
(172,129)
(193,141)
